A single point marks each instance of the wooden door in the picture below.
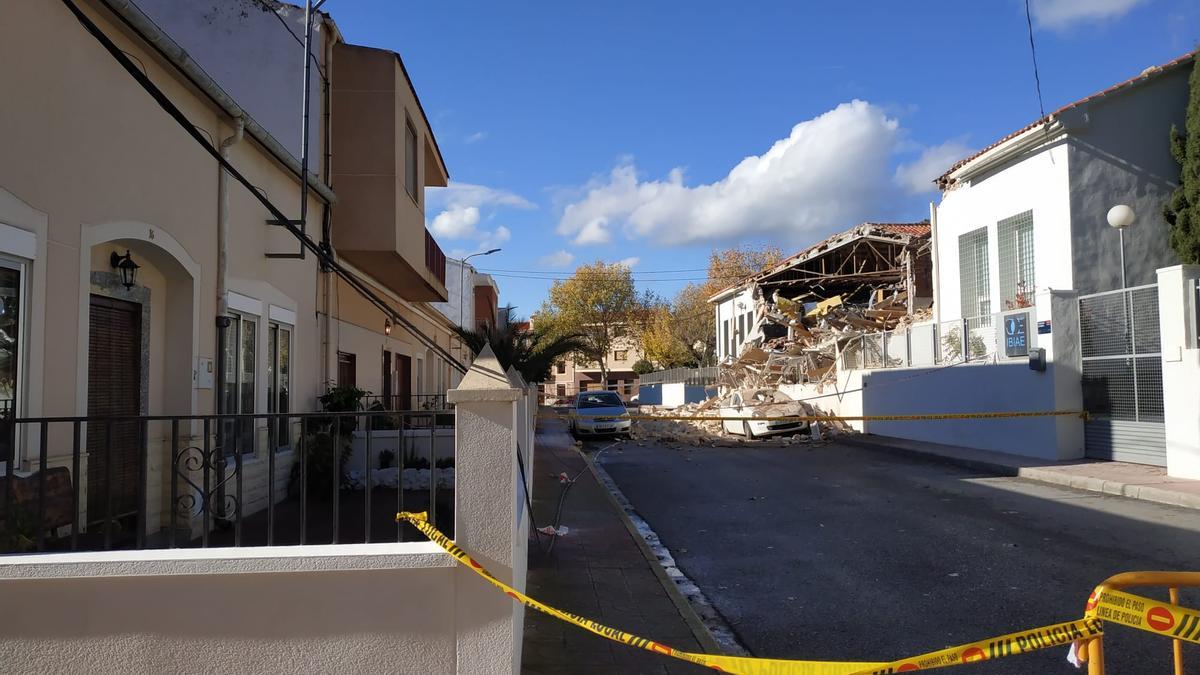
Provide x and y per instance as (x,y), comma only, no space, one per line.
(114,391)
(403,382)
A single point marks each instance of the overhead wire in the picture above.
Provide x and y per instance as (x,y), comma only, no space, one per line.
(327,259)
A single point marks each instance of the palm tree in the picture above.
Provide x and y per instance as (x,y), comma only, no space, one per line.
(532,352)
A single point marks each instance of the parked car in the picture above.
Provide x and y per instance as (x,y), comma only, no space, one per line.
(598,412)
(745,423)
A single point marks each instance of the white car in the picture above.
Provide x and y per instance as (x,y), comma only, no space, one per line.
(598,412)
(745,424)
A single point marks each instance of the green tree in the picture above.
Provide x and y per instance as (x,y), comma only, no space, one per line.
(532,352)
(1182,210)
(600,305)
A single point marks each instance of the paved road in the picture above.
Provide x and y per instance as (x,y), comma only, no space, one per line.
(840,552)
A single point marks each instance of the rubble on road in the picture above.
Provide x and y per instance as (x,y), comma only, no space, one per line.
(700,429)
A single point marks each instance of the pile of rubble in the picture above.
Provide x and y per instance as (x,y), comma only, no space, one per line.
(788,344)
(697,426)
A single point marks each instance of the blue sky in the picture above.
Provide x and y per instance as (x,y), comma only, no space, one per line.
(652,132)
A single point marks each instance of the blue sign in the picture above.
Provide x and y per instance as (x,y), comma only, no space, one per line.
(1016,335)
(1044,327)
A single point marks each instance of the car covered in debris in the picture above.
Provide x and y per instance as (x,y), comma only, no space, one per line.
(598,412)
(743,414)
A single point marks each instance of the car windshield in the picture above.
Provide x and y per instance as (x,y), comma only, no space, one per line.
(603,399)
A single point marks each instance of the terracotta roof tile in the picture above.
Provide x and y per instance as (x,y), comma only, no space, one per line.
(1153,71)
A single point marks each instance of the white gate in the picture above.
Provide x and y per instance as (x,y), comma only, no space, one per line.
(1122,375)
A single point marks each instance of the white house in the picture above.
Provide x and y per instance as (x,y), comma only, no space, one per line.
(1028,213)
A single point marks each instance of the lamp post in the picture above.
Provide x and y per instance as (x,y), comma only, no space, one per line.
(1121,217)
(462,271)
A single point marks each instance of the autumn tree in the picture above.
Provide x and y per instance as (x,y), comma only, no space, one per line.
(601,305)
(730,266)
(1182,210)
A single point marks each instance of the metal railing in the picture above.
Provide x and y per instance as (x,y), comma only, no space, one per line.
(391,402)
(435,259)
(101,483)
(932,344)
(695,376)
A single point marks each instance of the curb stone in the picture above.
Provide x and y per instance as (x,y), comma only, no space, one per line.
(669,580)
(1148,493)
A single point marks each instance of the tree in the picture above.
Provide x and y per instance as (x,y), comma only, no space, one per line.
(532,352)
(1182,210)
(730,266)
(662,344)
(642,366)
(600,304)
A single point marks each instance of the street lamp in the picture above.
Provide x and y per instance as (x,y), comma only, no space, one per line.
(1121,217)
(462,271)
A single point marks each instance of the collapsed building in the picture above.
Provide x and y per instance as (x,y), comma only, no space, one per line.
(790,323)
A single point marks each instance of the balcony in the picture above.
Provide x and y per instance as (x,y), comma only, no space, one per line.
(384,158)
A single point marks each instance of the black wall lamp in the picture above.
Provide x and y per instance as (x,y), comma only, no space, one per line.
(387,326)
(125,265)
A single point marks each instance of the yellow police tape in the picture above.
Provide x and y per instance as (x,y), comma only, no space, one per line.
(1082,414)
(983,650)
(1154,616)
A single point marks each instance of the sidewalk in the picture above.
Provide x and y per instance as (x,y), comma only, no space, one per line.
(598,571)
(1136,481)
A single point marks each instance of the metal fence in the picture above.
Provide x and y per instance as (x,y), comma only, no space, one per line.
(1121,350)
(89,483)
(695,376)
(976,339)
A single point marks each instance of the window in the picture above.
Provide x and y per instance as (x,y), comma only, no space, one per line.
(741,333)
(725,334)
(347,373)
(560,390)
(975,291)
(621,354)
(410,161)
(1015,242)
(279,383)
(11,346)
(238,388)
(561,367)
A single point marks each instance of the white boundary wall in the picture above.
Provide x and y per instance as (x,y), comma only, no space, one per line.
(406,607)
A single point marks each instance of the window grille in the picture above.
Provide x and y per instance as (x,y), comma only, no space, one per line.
(1015,241)
(974,283)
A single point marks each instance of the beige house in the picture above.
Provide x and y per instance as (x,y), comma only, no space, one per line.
(226,313)
(574,375)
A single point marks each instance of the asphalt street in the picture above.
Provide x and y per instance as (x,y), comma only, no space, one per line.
(843,553)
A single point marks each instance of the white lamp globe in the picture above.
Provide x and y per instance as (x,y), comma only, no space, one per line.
(1120,216)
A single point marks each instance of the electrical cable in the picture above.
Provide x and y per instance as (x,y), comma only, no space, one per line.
(328,261)
(1033,52)
(267,8)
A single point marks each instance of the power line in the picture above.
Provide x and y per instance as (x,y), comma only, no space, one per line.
(1033,52)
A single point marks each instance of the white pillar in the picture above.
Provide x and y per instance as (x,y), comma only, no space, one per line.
(487,508)
(1064,366)
(1181,368)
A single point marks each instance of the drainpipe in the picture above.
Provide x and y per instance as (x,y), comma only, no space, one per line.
(223,219)
(937,286)
(239,131)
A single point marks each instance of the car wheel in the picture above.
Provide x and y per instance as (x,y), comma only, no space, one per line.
(746,430)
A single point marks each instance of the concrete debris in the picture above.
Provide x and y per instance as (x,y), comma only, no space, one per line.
(815,307)
(755,404)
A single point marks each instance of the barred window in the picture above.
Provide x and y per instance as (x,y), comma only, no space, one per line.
(1015,239)
(974,284)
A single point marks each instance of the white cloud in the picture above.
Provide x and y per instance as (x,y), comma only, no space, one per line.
(630,262)
(1062,14)
(831,171)
(462,206)
(475,137)
(456,222)
(916,177)
(470,194)
(558,259)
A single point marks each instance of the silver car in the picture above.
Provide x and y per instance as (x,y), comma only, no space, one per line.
(740,417)
(598,412)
